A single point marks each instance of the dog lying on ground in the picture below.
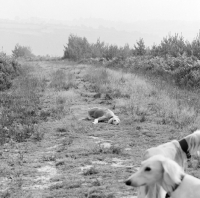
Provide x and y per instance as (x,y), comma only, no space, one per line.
(168,174)
(179,151)
(102,114)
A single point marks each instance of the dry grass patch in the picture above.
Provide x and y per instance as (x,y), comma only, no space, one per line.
(175,112)
(62,80)
(99,78)
(135,97)
(62,102)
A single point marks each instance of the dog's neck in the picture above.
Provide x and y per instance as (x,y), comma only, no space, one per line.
(168,195)
(184,146)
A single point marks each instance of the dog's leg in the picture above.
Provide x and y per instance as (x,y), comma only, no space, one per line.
(99,119)
(87,118)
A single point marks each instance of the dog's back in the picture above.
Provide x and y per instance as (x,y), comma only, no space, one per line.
(96,112)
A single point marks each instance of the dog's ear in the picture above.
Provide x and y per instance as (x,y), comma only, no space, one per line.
(110,121)
(171,174)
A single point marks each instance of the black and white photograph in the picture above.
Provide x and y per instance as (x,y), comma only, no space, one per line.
(99,99)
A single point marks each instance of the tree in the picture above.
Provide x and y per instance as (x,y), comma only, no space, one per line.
(77,48)
(140,49)
(22,51)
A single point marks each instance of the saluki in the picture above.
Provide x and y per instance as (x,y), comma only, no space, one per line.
(168,174)
(179,151)
(102,114)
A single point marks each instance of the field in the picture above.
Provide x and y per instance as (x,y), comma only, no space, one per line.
(72,158)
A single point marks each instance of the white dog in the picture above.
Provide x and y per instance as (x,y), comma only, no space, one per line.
(102,114)
(179,151)
(168,174)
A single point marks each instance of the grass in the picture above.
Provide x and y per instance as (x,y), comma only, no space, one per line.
(20,107)
(138,98)
(66,146)
(91,171)
(112,149)
(62,81)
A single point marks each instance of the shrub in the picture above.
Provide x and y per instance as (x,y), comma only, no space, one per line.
(111,51)
(20,110)
(171,45)
(182,71)
(97,49)
(140,48)
(22,51)
(77,48)
(194,47)
(9,69)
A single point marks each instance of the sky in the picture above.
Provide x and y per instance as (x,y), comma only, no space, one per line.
(114,21)
(115,10)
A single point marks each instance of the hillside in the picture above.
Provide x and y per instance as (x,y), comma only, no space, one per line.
(69,157)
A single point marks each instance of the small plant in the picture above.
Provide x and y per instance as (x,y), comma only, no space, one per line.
(61,129)
(99,192)
(61,100)
(115,149)
(38,133)
(112,149)
(90,171)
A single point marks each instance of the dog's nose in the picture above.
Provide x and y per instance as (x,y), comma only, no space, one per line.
(128,182)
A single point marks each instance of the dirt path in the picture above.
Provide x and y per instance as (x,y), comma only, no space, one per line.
(76,158)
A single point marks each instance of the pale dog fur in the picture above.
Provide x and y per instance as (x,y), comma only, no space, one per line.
(173,151)
(103,114)
(166,173)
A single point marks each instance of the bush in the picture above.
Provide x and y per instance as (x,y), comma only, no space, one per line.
(182,71)
(97,49)
(176,46)
(77,48)
(19,112)
(9,69)
(22,51)
(194,48)
(173,59)
(140,49)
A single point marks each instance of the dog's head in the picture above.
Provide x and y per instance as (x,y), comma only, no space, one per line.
(157,170)
(193,141)
(149,173)
(114,120)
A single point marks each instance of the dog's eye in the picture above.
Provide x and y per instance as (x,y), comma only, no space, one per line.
(147,169)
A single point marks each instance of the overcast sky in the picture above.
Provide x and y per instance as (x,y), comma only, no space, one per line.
(116,10)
